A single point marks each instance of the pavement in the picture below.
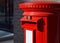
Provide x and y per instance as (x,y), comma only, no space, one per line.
(6,37)
(8,41)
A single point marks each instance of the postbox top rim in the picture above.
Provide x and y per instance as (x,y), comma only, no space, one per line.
(39,5)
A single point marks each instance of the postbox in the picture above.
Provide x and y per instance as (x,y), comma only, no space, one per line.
(41,22)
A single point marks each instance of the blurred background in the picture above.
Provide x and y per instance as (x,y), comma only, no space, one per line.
(6,21)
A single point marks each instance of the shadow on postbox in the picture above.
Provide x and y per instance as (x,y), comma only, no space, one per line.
(32,23)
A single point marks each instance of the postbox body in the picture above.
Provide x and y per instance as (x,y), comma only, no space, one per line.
(41,22)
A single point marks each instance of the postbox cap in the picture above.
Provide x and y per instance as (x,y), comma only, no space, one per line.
(40,6)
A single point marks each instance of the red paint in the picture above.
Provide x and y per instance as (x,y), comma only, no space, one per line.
(44,21)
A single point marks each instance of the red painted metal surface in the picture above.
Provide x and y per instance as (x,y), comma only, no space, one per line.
(43,19)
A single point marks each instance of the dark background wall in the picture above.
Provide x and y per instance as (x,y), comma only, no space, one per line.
(18,31)
(6,15)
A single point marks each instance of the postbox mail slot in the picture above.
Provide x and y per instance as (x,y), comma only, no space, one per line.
(24,22)
(29,25)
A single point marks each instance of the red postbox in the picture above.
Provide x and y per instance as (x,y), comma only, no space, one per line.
(41,22)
